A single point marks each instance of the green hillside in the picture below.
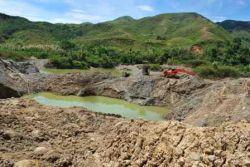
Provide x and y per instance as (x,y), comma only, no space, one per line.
(239,29)
(177,38)
(178,29)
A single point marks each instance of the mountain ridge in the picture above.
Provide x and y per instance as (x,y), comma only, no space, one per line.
(238,29)
(181,29)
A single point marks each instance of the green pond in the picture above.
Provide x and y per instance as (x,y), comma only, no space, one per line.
(103,105)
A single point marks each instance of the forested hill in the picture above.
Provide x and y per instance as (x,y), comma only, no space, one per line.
(177,38)
(233,25)
(239,29)
(177,29)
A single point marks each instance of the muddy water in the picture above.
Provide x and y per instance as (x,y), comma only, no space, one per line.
(103,105)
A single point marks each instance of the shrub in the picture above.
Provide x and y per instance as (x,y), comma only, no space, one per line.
(79,64)
(245,71)
(67,45)
(227,71)
(60,62)
(43,55)
(196,63)
(208,71)
(174,62)
(155,67)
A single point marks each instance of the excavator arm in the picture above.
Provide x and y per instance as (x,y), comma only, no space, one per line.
(172,73)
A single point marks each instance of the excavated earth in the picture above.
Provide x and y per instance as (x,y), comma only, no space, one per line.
(214,128)
(34,135)
(21,79)
(190,99)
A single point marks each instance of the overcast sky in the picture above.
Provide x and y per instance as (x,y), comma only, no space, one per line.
(78,11)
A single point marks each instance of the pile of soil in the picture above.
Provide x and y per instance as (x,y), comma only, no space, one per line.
(35,135)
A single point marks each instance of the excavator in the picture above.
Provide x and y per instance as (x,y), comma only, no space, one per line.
(174,73)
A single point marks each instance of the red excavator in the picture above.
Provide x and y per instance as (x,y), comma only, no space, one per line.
(173,73)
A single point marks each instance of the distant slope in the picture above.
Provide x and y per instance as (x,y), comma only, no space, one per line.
(177,29)
(237,28)
(232,25)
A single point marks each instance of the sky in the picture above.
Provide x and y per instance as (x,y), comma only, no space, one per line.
(79,11)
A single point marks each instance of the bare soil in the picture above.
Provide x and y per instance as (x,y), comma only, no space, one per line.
(35,135)
(215,116)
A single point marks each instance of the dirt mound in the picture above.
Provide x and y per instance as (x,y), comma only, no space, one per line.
(21,78)
(65,84)
(191,99)
(146,90)
(36,135)
(224,100)
(12,81)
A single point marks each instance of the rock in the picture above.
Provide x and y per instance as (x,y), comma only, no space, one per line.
(218,152)
(26,67)
(65,161)
(7,92)
(6,162)
(208,151)
(145,70)
(41,150)
(126,74)
(87,91)
(12,83)
(36,133)
(7,135)
(146,102)
(181,161)
(51,156)
(195,156)
(25,163)
(39,63)
(247,162)
(22,67)
(218,162)
(212,158)
(142,89)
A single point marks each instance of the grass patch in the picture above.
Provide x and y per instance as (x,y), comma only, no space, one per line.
(209,71)
(155,67)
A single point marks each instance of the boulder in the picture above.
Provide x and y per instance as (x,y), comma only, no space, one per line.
(41,150)
(26,67)
(12,82)
(25,163)
(6,92)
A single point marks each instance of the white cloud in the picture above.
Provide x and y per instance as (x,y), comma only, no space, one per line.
(35,13)
(20,8)
(75,11)
(146,8)
(77,16)
(218,18)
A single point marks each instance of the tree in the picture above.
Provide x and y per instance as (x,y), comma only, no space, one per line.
(67,45)
(236,44)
